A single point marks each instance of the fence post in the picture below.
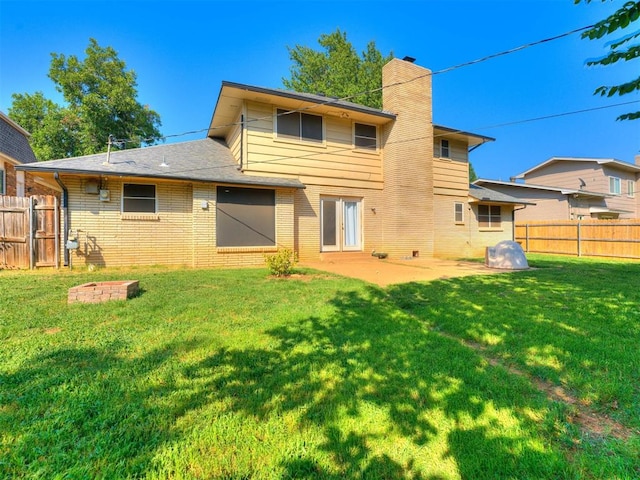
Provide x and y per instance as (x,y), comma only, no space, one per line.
(526,234)
(578,238)
(31,236)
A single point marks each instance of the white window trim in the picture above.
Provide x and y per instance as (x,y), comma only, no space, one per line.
(631,188)
(442,148)
(613,183)
(492,226)
(20,183)
(3,179)
(299,140)
(363,149)
(455,220)
(139,214)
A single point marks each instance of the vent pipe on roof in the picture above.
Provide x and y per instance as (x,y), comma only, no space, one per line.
(409,59)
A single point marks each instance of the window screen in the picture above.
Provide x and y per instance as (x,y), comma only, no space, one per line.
(365,136)
(299,126)
(138,198)
(458,212)
(444,148)
(489,216)
(245,217)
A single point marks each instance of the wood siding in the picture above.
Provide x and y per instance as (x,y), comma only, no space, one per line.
(334,163)
(458,151)
(450,177)
(567,174)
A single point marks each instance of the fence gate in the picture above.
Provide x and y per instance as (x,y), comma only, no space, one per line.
(29,231)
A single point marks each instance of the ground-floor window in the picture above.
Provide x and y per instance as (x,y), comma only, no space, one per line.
(458,212)
(245,217)
(138,198)
(489,216)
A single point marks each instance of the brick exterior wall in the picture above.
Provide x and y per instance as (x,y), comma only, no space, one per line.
(408,165)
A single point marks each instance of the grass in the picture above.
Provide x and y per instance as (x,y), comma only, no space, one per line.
(234,374)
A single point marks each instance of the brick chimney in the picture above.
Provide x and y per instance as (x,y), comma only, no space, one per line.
(408,160)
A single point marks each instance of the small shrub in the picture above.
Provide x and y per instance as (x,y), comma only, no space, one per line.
(281,264)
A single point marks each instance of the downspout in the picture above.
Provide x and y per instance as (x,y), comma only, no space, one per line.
(513,222)
(65,216)
(241,141)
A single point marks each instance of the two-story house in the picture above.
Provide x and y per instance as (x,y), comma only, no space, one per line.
(15,150)
(285,169)
(566,188)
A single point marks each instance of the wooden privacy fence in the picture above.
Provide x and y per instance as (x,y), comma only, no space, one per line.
(591,238)
(29,231)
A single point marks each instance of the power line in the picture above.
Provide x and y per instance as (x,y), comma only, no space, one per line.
(332,101)
(334,151)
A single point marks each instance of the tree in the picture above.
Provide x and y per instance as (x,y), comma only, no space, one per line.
(620,49)
(101,98)
(473,176)
(338,71)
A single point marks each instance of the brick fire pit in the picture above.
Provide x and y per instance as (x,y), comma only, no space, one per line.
(96,292)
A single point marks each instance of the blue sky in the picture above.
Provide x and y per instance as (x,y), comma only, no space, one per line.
(182,51)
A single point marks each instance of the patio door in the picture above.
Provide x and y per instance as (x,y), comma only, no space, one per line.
(340,224)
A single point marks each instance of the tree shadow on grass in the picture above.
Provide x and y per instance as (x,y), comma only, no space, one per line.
(81,413)
(371,355)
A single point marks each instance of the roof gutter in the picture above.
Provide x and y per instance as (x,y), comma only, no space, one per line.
(65,216)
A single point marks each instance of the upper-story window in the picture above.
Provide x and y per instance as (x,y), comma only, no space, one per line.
(2,186)
(138,198)
(444,149)
(614,185)
(365,136)
(631,188)
(299,126)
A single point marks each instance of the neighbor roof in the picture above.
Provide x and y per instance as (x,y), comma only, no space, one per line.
(206,160)
(600,161)
(563,191)
(485,195)
(14,141)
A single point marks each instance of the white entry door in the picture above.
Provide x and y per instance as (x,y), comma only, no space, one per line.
(340,224)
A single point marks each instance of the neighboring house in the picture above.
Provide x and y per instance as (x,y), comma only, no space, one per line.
(15,150)
(281,169)
(564,188)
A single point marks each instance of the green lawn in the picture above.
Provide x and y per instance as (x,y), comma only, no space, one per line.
(232,374)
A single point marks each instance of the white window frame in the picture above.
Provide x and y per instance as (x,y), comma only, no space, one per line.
(3,179)
(137,212)
(494,220)
(279,112)
(365,148)
(615,186)
(20,183)
(456,213)
(631,188)
(445,146)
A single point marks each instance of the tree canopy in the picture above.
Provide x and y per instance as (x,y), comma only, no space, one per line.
(620,49)
(337,70)
(101,100)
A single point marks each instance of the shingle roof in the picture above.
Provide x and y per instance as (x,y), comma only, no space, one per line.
(14,141)
(486,195)
(206,160)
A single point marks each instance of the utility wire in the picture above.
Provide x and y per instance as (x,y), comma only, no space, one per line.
(332,101)
(334,151)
